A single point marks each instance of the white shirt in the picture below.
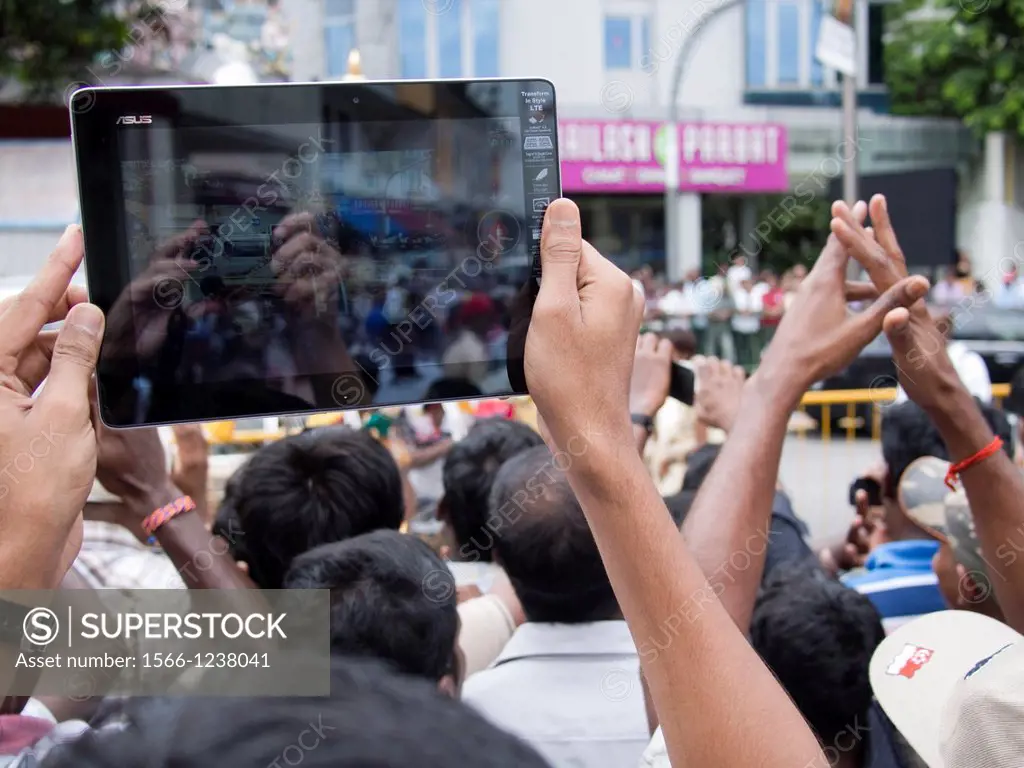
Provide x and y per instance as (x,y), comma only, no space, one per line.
(947,293)
(760,289)
(478,574)
(656,754)
(735,276)
(571,691)
(970,367)
(746,301)
(678,305)
(112,558)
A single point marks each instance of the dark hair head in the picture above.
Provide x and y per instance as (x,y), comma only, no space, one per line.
(698,465)
(469,472)
(545,544)
(373,717)
(817,636)
(324,485)
(908,434)
(392,598)
(682,341)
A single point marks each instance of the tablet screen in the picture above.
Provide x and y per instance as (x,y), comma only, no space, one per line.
(297,266)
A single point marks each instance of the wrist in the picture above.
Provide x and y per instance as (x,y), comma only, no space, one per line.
(589,468)
(151,498)
(646,406)
(961,424)
(771,389)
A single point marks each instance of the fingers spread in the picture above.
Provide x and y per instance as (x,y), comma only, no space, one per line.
(885,234)
(860,291)
(30,310)
(906,292)
(861,245)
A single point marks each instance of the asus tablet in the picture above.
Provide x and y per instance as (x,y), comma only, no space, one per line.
(280,249)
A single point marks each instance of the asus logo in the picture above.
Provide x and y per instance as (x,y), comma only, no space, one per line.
(134,120)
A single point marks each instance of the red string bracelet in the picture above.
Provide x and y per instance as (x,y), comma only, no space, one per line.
(167,512)
(953,474)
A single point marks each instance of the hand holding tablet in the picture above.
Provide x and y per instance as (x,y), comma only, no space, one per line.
(295,248)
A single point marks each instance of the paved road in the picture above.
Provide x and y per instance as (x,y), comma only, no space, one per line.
(817,476)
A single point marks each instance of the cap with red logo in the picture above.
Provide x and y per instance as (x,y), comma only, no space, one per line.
(952,682)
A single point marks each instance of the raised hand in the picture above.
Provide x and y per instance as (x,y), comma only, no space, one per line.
(652,374)
(47,445)
(818,336)
(582,337)
(918,345)
(308,268)
(717,396)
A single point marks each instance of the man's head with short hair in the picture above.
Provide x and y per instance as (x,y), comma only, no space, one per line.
(469,472)
(908,434)
(392,598)
(321,486)
(545,545)
(818,636)
(684,343)
(372,717)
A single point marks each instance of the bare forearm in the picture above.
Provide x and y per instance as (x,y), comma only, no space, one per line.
(995,489)
(688,643)
(727,529)
(202,559)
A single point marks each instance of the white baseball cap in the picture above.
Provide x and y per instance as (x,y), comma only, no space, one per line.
(952,682)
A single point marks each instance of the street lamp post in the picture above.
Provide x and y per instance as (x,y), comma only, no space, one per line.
(672,225)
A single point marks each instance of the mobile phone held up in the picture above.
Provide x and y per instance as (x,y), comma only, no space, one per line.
(871,486)
(293,248)
(682,383)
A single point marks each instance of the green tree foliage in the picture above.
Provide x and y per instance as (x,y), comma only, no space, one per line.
(46,44)
(958,58)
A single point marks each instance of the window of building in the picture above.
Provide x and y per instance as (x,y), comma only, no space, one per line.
(817,71)
(627,38)
(788,37)
(618,42)
(449,38)
(486,25)
(339,35)
(782,38)
(756,38)
(412,39)
(876,48)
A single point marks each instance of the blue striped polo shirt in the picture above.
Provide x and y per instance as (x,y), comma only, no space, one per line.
(899,580)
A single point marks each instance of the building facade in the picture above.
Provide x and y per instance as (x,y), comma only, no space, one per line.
(749,73)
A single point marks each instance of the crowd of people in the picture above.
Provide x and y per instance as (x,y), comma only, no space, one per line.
(566,612)
(733,314)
